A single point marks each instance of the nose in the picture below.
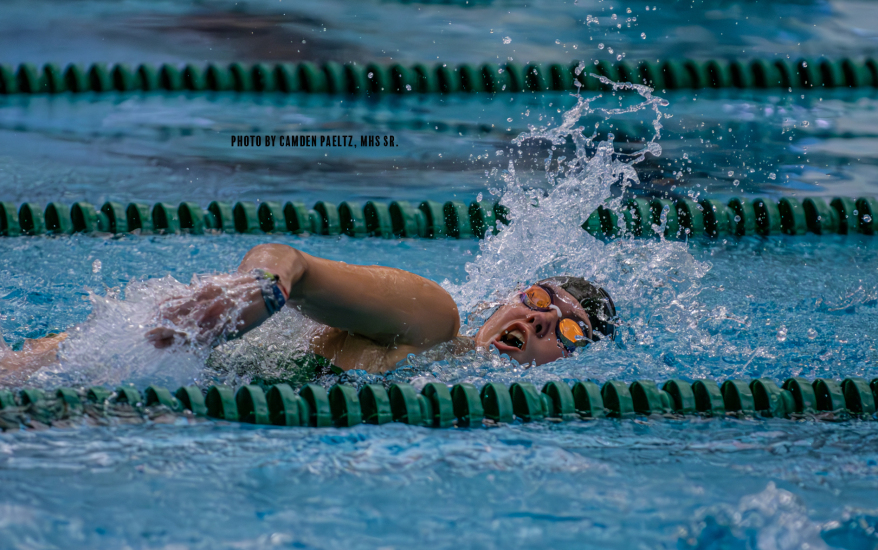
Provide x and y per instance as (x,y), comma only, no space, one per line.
(541,321)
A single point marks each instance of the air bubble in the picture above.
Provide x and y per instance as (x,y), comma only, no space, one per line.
(507,40)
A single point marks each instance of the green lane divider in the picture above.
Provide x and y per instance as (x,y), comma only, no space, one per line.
(463,405)
(683,218)
(371,78)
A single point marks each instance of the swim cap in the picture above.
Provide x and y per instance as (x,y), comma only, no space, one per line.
(593,299)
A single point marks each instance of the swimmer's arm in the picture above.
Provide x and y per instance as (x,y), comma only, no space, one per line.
(203,314)
(389,306)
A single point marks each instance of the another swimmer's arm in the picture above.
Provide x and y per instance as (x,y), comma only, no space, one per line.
(389,306)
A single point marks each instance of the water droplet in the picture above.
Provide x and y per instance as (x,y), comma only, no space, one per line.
(737,219)
(867,218)
(601,46)
(509,119)
(507,40)
(772,176)
(731,173)
(804,63)
(408,87)
(736,183)
(370,75)
(782,334)
(643,35)
(812,334)
(96,266)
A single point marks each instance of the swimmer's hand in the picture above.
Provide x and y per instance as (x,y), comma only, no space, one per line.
(215,308)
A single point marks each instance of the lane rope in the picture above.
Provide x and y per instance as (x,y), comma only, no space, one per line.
(462,405)
(639,216)
(373,78)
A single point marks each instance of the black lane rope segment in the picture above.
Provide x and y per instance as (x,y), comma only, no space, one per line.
(683,218)
(372,78)
(462,405)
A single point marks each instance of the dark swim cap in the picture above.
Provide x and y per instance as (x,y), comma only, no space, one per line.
(593,299)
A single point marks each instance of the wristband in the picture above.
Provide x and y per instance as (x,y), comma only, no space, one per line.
(272,295)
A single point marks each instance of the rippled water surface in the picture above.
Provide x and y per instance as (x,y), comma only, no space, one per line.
(660,483)
(776,307)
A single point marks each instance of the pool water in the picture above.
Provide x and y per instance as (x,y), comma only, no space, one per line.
(735,308)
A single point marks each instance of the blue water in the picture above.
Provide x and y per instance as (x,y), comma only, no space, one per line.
(777,307)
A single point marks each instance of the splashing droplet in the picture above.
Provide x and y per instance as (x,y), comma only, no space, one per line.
(782,334)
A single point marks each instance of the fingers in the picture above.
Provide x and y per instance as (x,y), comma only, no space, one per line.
(163,337)
(204,314)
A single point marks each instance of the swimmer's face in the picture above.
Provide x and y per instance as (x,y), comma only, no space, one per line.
(527,335)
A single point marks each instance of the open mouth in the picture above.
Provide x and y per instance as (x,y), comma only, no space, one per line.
(512,338)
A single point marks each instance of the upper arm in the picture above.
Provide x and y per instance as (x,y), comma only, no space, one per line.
(389,306)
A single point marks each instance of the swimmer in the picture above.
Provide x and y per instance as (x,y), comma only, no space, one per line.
(372,316)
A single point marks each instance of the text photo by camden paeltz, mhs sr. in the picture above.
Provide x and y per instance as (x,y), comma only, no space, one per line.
(312,141)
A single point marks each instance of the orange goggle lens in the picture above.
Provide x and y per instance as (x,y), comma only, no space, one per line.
(538,297)
(570,333)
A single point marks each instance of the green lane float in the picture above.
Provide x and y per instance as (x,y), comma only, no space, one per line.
(463,405)
(682,218)
(372,78)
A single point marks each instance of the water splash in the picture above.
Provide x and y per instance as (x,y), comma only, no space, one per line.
(110,348)
(545,236)
(654,283)
(773,519)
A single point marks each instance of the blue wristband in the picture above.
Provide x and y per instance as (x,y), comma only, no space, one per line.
(272,295)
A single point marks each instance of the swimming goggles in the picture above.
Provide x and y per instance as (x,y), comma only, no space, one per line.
(570,333)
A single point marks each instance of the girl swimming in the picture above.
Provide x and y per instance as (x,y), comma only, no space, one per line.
(371,317)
